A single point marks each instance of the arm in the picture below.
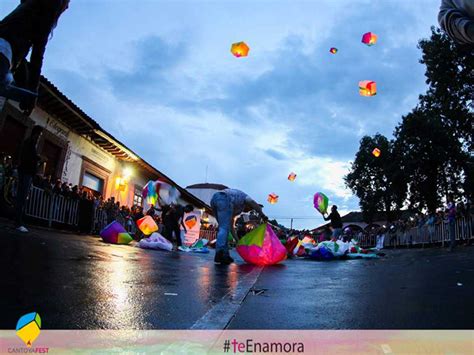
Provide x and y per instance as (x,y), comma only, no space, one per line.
(232,229)
(326,219)
(255,206)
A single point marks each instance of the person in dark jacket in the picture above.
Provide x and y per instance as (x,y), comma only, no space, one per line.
(26,28)
(336,222)
(171,215)
(28,166)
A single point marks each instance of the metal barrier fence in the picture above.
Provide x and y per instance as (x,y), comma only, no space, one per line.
(51,207)
(426,234)
(210,235)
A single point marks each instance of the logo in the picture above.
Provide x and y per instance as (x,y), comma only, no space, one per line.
(190,221)
(28,328)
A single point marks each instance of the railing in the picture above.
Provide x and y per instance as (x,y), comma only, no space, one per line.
(426,234)
(210,235)
(51,207)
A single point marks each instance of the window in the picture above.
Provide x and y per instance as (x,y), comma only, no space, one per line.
(93,182)
(137,196)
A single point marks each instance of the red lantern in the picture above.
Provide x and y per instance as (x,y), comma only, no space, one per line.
(367,88)
(272,198)
(292,177)
(369,38)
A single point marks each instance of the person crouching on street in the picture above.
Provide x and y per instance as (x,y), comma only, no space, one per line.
(227,204)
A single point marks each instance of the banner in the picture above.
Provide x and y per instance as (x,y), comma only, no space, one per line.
(192,221)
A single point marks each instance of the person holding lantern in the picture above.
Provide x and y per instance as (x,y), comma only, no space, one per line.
(336,222)
(26,28)
(227,204)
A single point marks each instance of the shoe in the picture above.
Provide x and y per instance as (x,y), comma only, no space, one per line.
(22,229)
(222,258)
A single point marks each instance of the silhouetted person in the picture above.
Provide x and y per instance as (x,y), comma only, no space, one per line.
(336,222)
(28,166)
(26,28)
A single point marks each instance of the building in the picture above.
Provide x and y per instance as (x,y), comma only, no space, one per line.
(77,150)
(205,191)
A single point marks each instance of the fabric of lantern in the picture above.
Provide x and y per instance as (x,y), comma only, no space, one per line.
(190,221)
(147,225)
(167,193)
(333,50)
(114,233)
(369,38)
(320,202)
(272,198)
(156,241)
(240,49)
(292,177)
(150,193)
(291,244)
(261,247)
(376,152)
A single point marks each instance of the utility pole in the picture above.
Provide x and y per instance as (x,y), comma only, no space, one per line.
(291,224)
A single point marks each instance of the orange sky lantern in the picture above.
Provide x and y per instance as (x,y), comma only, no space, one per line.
(376,152)
(367,88)
(292,177)
(240,49)
(272,198)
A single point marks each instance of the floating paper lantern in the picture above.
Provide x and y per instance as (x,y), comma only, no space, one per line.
(272,198)
(261,247)
(376,152)
(240,49)
(147,225)
(114,233)
(150,193)
(333,50)
(28,328)
(292,177)
(320,202)
(367,88)
(369,38)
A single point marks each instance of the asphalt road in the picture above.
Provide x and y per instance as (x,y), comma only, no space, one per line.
(78,282)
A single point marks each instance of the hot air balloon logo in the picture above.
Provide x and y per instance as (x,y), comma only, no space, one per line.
(190,221)
(28,328)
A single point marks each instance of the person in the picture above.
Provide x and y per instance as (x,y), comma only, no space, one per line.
(26,28)
(456,18)
(336,222)
(86,213)
(227,204)
(451,214)
(29,161)
(171,215)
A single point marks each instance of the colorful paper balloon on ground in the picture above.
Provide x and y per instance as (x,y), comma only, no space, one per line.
(114,233)
(156,241)
(272,198)
(147,225)
(320,202)
(150,193)
(369,38)
(333,50)
(240,49)
(367,88)
(292,177)
(261,247)
(376,152)
(28,328)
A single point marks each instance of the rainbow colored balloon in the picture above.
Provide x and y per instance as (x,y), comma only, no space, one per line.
(150,193)
(261,247)
(114,233)
(320,202)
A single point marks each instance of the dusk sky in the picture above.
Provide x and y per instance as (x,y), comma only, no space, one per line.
(159,76)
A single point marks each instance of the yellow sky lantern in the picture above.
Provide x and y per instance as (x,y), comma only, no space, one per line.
(240,49)
(272,198)
(367,88)
(376,152)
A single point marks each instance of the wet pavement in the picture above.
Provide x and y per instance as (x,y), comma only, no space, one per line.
(78,282)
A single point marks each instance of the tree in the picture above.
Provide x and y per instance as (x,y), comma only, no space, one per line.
(376,181)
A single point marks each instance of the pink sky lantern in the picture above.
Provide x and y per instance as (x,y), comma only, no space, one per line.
(147,225)
(333,50)
(369,38)
(261,247)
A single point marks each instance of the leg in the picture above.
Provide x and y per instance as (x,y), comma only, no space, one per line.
(177,233)
(223,210)
(24,184)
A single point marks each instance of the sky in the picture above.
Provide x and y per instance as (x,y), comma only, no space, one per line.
(159,76)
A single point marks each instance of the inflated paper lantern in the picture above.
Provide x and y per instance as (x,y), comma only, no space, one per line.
(376,152)
(367,88)
(292,177)
(261,247)
(333,50)
(28,328)
(114,233)
(147,225)
(272,198)
(150,193)
(240,49)
(320,202)
(369,38)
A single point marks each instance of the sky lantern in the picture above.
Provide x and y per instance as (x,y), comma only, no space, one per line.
(240,49)
(376,152)
(147,225)
(367,88)
(292,177)
(150,193)
(28,328)
(261,247)
(320,202)
(272,198)
(114,233)
(333,50)
(369,38)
